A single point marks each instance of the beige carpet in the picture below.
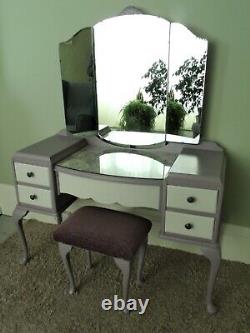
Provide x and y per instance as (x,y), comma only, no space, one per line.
(33,298)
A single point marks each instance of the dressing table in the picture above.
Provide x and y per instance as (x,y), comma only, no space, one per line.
(182,180)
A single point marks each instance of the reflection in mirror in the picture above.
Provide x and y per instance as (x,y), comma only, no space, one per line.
(187,67)
(134,138)
(78,82)
(191,163)
(120,163)
(144,75)
(131,53)
(130,165)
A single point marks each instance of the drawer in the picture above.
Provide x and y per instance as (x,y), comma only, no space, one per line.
(189,225)
(32,174)
(34,196)
(191,198)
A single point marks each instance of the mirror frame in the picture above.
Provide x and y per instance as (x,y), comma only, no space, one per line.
(132,10)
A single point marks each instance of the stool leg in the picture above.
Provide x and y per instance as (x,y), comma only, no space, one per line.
(118,275)
(64,250)
(125,267)
(89,259)
(141,256)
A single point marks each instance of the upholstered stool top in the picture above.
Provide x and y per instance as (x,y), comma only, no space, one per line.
(103,230)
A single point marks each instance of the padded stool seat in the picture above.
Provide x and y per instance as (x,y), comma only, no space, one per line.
(117,234)
(110,232)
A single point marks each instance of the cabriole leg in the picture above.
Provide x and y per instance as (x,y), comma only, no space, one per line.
(89,259)
(213,253)
(18,215)
(141,256)
(125,267)
(64,250)
(59,218)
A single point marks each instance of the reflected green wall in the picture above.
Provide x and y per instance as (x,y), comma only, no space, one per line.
(31,106)
(75,57)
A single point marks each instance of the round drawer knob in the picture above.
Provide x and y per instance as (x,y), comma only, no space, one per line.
(30,174)
(33,197)
(190,199)
(188,226)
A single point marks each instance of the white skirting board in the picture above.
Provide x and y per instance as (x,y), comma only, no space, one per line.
(234,239)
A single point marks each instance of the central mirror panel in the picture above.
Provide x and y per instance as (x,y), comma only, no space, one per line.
(131,54)
(121,164)
(135,80)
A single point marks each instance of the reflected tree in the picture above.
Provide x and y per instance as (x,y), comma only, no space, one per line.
(191,83)
(157,86)
(162,100)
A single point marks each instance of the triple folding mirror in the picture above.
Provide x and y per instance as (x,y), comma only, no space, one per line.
(136,79)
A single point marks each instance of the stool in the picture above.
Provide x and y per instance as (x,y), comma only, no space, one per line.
(116,234)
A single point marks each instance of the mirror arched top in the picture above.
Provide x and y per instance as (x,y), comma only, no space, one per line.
(136,78)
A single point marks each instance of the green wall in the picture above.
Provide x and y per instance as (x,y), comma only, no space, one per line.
(31,106)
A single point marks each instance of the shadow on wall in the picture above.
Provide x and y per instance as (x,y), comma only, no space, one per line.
(214,91)
(234,203)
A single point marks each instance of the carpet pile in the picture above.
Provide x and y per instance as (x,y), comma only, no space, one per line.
(34,298)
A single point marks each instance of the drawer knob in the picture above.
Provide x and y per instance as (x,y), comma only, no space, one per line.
(188,226)
(191,199)
(30,174)
(33,197)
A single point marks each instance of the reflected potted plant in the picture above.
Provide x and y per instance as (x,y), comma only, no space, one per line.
(137,115)
(175,117)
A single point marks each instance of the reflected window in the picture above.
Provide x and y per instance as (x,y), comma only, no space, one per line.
(126,49)
(130,165)
(187,67)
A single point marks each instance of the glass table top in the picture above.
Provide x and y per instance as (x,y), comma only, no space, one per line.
(120,164)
